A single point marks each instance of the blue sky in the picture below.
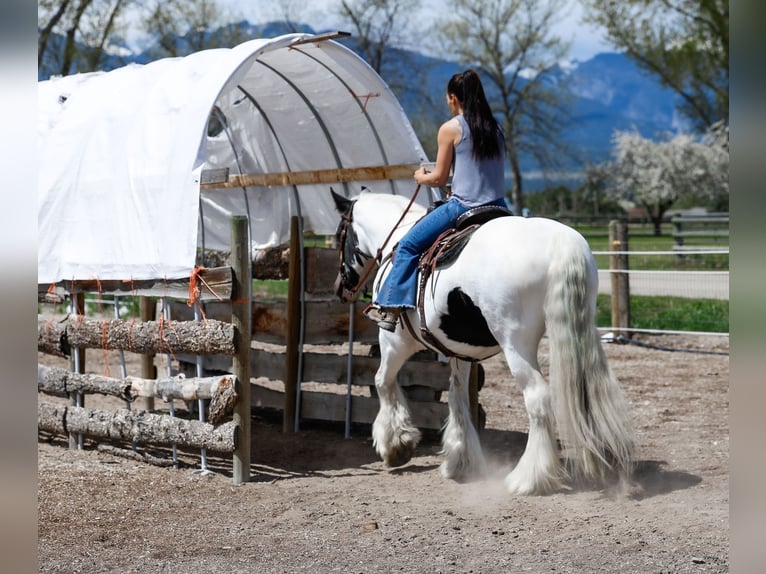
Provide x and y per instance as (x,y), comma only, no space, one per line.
(586,41)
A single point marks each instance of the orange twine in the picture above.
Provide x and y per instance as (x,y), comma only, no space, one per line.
(195,291)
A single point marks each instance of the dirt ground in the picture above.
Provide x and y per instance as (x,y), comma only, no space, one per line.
(321,503)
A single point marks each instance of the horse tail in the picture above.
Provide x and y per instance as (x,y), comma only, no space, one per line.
(590,407)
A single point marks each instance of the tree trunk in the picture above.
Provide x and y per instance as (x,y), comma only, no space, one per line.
(45,33)
(207,337)
(136,426)
(97,52)
(61,382)
(71,33)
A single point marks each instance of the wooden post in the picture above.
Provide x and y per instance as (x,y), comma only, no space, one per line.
(618,264)
(293,327)
(147,309)
(241,309)
(77,364)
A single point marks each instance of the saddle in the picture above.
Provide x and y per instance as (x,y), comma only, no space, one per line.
(444,251)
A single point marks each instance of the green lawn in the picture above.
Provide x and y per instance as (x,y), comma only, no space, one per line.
(670,314)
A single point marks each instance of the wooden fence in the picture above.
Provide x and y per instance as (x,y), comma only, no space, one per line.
(700,232)
(310,337)
(228,398)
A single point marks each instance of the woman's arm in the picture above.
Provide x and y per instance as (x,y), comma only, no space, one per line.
(448,136)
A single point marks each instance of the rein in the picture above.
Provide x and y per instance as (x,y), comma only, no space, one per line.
(351,294)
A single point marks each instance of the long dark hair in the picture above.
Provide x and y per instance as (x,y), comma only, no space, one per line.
(466,87)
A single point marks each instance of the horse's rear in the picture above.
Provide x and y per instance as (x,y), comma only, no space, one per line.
(516,279)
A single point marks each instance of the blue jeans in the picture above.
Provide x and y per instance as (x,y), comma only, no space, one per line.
(400,287)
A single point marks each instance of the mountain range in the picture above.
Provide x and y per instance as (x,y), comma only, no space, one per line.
(607,93)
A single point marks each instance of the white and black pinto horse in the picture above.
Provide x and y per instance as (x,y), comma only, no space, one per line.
(516,279)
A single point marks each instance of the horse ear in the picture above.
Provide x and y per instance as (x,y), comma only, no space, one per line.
(342,204)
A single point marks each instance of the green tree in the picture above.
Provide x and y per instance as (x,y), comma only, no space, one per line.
(683,43)
(512,45)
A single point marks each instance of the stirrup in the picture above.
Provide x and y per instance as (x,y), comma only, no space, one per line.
(386,320)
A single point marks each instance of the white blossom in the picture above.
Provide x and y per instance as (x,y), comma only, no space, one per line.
(658,173)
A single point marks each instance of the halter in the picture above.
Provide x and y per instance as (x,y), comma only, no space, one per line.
(349,283)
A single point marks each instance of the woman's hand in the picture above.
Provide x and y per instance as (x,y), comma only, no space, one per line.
(420,175)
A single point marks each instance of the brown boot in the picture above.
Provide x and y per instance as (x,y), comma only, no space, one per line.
(386,319)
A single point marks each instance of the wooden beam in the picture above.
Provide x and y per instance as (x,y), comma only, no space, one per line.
(338,175)
(241,313)
(213,284)
(322,38)
(332,407)
(294,320)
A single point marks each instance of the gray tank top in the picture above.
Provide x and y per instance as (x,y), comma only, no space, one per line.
(476,182)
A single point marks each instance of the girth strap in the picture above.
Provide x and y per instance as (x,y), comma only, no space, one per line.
(428,263)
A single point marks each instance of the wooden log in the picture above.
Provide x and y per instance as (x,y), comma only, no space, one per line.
(51,417)
(221,390)
(271,262)
(195,337)
(62,382)
(52,338)
(136,426)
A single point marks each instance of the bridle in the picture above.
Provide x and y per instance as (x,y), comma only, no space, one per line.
(349,283)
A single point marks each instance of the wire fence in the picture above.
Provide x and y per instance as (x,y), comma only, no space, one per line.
(670,301)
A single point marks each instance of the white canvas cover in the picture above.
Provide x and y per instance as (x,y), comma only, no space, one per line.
(121,153)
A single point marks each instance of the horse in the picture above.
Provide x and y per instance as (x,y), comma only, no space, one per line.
(515,280)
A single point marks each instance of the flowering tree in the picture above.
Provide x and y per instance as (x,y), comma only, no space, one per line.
(656,174)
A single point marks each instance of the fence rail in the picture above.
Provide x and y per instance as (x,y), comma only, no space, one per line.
(620,282)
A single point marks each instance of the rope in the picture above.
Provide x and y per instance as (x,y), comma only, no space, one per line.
(195,291)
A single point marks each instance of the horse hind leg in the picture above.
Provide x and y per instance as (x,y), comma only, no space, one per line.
(464,458)
(539,470)
(394,436)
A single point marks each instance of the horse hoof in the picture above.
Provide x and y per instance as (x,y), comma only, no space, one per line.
(399,456)
(518,486)
(463,473)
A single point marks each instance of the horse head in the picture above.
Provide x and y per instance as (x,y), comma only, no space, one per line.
(351,259)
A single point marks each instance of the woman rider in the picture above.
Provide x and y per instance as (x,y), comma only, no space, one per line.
(474,142)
